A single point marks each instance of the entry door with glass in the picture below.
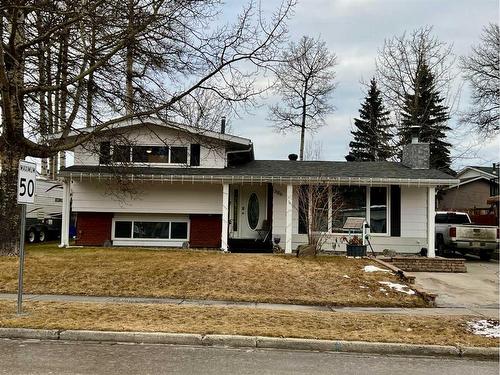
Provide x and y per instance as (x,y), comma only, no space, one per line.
(249,210)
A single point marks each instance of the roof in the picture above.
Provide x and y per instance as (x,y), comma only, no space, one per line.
(156,121)
(468,180)
(489,171)
(281,170)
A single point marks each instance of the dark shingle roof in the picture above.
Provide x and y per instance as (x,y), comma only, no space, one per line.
(285,169)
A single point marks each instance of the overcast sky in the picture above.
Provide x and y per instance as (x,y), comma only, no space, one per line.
(355,30)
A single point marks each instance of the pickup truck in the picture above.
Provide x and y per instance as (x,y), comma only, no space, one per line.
(455,232)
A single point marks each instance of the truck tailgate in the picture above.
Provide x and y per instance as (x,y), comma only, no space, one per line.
(476,233)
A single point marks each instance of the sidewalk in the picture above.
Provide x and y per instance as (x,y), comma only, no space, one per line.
(492,312)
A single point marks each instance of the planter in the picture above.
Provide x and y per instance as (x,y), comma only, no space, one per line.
(356,250)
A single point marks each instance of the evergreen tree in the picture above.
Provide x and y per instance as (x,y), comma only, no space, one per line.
(372,135)
(424,108)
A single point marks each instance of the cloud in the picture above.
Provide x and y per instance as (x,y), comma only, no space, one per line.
(355,30)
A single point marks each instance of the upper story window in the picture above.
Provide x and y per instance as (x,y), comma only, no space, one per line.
(144,154)
(150,154)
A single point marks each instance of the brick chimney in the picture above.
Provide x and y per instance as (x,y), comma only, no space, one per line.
(416,155)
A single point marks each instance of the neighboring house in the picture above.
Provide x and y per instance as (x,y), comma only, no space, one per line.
(205,189)
(471,194)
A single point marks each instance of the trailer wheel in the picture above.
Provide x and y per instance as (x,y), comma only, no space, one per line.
(31,237)
(42,236)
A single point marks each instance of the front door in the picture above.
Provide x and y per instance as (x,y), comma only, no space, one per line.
(248,210)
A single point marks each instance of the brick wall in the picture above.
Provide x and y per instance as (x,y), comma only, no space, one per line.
(423,264)
(205,231)
(93,228)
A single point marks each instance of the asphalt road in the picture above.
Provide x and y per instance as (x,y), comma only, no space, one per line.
(50,357)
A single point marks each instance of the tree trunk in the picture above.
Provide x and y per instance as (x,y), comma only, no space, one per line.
(9,209)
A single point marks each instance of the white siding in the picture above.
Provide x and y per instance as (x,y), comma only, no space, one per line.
(212,155)
(413,223)
(85,157)
(414,212)
(90,196)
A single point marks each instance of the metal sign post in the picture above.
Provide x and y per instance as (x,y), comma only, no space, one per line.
(26,181)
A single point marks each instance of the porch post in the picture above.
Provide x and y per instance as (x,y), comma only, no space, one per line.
(289,211)
(225,217)
(431,228)
(65,213)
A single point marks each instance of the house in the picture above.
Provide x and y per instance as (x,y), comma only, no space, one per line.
(186,186)
(474,193)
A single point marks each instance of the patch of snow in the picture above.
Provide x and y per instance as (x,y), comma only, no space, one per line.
(383,290)
(399,287)
(345,276)
(363,287)
(371,268)
(488,328)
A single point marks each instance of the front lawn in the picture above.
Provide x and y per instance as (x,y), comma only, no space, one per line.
(438,330)
(324,280)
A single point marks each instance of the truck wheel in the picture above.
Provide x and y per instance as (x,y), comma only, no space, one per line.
(485,255)
(440,248)
(42,237)
(31,237)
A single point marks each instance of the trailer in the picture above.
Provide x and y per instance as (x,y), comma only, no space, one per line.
(43,218)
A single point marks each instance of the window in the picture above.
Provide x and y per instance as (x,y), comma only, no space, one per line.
(332,206)
(150,154)
(378,210)
(123,229)
(347,201)
(149,229)
(441,219)
(179,230)
(253,211)
(121,154)
(142,229)
(319,197)
(178,155)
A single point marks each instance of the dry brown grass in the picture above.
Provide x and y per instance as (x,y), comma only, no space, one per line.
(202,275)
(224,320)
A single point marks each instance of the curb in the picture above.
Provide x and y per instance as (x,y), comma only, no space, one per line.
(238,341)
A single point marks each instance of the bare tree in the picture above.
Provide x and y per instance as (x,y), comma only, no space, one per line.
(481,69)
(84,47)
(400,60)
(305,82)
(318,206)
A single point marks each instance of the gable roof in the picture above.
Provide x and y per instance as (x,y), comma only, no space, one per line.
(469,180)
(280,171)
(488,171)
(170,125)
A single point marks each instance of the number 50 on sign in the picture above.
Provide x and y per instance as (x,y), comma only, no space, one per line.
(26,181)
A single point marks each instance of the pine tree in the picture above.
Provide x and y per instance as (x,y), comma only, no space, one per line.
(372,134)
(424,108)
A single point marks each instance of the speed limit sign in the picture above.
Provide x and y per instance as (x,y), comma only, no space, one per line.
(26,181)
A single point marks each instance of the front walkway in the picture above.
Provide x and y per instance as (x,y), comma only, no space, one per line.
(490,312)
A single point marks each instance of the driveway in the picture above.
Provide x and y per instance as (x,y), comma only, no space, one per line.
(478,288)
